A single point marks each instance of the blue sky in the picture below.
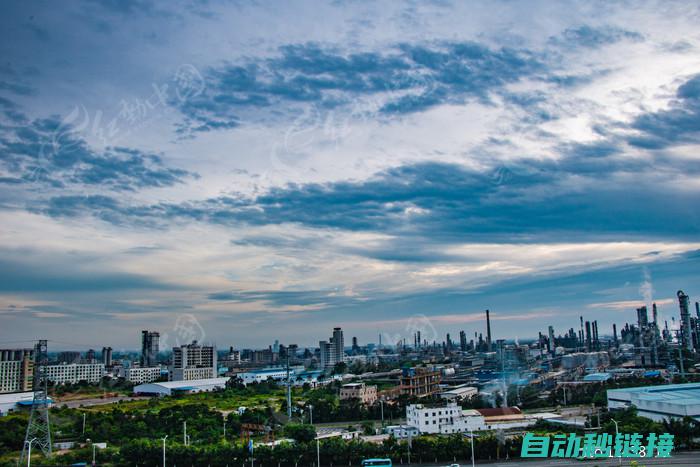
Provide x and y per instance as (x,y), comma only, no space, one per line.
(273,170)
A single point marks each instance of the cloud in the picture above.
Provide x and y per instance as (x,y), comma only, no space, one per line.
(404,79)
(32,271)
(49,151)
(679,124)
(593,37)
(442,201)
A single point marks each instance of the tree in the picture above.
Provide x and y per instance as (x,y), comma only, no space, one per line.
(300,432)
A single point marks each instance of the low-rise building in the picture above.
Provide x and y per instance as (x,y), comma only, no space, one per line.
(420,382)
(140,375)
(443,419)
(459,393)
(402,431)
(167,388)
(263,374)
(659,403)
(365,394)
(73,373)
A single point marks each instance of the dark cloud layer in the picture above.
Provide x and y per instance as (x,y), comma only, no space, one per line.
(407,78)
(49,151)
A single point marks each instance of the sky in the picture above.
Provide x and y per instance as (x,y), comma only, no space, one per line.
(242,172)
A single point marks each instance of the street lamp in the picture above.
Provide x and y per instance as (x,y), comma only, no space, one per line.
(471,437)
(318,453)
(619,458)
(29,452)
(166,437)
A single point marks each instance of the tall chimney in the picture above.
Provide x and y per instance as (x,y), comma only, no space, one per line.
(488,331)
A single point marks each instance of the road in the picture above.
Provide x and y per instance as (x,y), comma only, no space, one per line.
(91,402)
(683,459)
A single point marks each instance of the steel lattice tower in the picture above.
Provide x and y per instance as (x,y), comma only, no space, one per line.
(39,429)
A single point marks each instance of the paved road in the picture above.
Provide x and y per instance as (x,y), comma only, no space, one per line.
(684,459)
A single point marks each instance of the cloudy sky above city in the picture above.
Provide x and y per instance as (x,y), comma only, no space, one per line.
(260,171)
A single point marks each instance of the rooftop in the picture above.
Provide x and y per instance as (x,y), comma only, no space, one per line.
(191,384)
(678,394)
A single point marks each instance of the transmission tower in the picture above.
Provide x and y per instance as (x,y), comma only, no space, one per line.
(38,430)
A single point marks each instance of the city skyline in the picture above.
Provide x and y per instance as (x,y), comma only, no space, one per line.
(374,169)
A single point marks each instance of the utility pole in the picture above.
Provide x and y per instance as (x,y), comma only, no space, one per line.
(311,414)
(84,417)
(289,391)
(184,433)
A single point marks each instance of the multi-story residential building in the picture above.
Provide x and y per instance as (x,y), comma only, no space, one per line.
(365,394)
(420,382)
(107,356)
(140,375)
(333,350)
(16,370)
(446,419)
(193,361)
(326,355)
(75,372)
(68,356)
(149,348)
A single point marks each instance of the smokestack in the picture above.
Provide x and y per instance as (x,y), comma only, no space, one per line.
(588,336)
(595,334)
(488,331)
(654,315)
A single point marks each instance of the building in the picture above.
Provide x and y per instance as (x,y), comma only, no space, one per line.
(167,388)
(149,348)
(107,356)
(140,375)
(68,356)
(420,382)
(11,402)
(264,374)
(402,431)
(193,361)
(459,393)
(16,370)
(332,351)
(447,419)
(367,395)
(659,403)
(73,373)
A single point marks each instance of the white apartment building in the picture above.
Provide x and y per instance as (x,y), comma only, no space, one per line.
(75,372)
(450,418)
(141,375)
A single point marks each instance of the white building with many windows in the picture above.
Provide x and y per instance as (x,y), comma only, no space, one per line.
(140,375)
(75,372)
(445,419)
